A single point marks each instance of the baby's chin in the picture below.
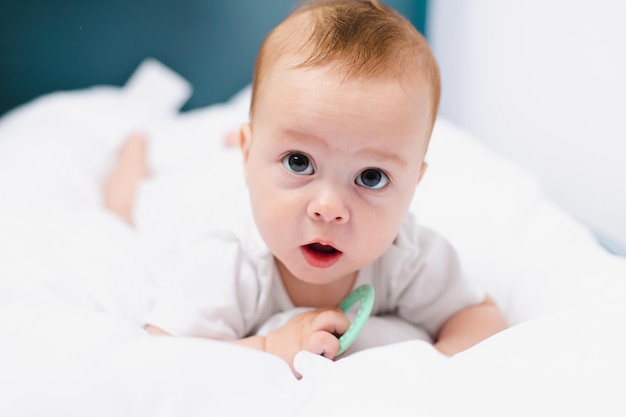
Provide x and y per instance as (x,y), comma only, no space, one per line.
(303,272)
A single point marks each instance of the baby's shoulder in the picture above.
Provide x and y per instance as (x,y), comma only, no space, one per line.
(416,238)
(236,248)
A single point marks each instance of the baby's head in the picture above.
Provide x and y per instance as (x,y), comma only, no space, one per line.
(356,38)
(345,94)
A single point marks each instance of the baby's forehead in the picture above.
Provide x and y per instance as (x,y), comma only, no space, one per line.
(413,83)
(321,98)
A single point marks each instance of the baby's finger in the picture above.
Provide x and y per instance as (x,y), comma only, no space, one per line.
(332,321)
(322,343)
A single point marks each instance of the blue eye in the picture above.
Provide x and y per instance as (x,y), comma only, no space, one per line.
(372,178)
(298,164)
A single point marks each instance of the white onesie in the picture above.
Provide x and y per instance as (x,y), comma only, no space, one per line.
(227,285)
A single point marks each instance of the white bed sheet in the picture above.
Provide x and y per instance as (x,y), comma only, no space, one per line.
(75,281)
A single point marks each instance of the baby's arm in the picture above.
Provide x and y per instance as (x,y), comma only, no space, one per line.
(469,327)
(315,331)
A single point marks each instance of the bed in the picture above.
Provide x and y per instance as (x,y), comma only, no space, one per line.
(75,280)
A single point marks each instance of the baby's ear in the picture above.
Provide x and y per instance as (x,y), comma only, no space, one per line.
(422,171)
(245,135)
(245,138)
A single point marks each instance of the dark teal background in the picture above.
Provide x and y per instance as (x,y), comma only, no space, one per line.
(50,45)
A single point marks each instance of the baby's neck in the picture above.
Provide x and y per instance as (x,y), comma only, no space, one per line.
(304,294)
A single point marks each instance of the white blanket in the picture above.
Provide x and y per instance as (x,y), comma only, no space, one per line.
(75,280)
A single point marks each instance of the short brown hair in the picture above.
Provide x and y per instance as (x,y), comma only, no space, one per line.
(360,38)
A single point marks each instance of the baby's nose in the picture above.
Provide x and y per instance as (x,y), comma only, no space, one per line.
(329,205)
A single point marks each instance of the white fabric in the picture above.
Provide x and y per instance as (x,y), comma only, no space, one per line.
(228,286)
(72,284)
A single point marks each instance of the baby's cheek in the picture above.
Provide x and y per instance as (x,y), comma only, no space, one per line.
(383,237)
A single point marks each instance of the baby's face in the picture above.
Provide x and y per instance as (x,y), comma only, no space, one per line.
(331,167)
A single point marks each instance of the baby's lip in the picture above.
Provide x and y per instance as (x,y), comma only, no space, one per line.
(323,247)
(320,255)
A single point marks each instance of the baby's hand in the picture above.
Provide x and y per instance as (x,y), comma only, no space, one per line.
(315,331)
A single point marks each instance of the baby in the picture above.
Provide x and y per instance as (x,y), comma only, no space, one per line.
(344,99)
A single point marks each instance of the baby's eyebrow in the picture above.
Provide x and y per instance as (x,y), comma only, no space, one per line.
(386,155)
(298,136)
(383,155)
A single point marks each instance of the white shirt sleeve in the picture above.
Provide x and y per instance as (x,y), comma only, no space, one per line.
(424,283)
(214,293)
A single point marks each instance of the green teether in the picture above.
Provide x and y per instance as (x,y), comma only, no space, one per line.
(365,296)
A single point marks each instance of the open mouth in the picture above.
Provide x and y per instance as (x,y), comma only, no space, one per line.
(319,255)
